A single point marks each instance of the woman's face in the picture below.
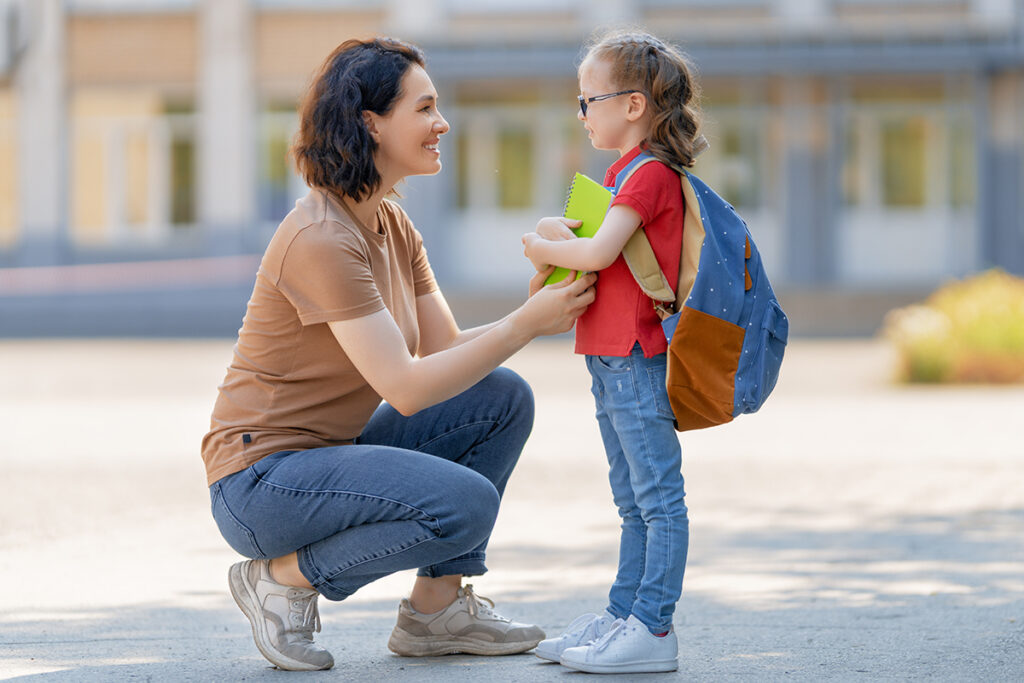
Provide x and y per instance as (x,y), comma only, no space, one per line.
(408,135)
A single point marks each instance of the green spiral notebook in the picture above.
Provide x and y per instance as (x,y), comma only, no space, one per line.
(587,201)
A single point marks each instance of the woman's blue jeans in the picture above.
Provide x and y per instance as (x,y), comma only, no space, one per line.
(644,462)
(411,492)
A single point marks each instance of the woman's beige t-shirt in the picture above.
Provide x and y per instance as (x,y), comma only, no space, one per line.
(290,385)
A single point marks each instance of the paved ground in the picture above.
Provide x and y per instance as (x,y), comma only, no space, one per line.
(851,531)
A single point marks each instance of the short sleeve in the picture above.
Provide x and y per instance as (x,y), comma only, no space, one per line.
(326,275)
(422,274)
(647,190)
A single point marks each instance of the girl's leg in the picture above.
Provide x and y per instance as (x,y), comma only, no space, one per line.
(642,417)
(608,373)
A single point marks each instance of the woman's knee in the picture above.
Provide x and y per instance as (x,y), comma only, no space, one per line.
(508,387)
(474,509)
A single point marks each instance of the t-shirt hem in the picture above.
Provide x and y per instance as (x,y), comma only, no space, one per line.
(341,313)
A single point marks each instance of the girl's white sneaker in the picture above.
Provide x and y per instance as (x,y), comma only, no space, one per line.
(629,647)
(581,631)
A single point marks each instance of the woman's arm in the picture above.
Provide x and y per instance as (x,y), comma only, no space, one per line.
(438,329)
(589,254)
(378,350)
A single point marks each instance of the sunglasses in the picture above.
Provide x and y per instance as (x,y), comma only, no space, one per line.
(584,102)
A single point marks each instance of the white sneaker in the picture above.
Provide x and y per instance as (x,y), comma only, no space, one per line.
(581,631)
(629,647)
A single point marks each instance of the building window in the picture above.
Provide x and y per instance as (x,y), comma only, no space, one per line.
(733,164)
(279,186)
(903,162)
(515,168)
(902,156)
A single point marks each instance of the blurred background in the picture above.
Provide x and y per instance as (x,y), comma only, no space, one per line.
(875,148)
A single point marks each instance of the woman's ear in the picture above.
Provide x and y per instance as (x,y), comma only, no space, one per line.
(370,120)
(637,106)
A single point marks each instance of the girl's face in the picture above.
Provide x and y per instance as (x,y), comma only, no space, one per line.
(408,135)
(605,120)
(614,123)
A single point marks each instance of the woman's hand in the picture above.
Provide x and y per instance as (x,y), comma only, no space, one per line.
(555,228)
(539,278)
(553,309)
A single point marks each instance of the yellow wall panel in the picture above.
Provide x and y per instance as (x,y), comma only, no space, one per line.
(152,49)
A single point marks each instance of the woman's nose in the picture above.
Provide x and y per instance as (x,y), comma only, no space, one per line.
(441,126)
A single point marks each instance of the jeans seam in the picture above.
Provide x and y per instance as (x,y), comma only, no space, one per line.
(469,453)
(355,494)
(234,518)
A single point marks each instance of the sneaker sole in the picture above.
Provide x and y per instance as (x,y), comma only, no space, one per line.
(548,656)
(406,645)
(645,667)
(245,598)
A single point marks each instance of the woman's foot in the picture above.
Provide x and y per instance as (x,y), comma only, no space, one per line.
(466,626)
(581,631)
(283,617)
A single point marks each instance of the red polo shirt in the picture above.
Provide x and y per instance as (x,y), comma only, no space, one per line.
(622,314)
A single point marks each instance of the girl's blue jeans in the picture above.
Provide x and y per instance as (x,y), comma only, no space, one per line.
(644,462)
(411,492)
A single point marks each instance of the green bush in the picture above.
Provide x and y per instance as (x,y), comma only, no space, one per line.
(967,331)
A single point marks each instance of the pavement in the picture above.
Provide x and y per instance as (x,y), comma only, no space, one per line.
(853,530)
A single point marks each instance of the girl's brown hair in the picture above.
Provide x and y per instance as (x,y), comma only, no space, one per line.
(333,148)
(664,74)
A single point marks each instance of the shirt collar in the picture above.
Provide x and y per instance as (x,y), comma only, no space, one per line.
(613,170)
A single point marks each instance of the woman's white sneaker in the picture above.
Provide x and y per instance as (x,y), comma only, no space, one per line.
(581,631)
(629,647)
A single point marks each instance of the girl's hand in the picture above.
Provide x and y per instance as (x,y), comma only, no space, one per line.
(556,228)
(553,309)
(529,240)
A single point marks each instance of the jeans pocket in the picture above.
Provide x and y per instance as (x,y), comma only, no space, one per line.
(657,374)
(238,536)
(612,363)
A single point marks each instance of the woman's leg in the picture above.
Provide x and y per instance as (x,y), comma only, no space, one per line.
(484,429)
(354,513)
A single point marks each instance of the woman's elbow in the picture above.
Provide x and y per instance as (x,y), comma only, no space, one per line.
(404,405)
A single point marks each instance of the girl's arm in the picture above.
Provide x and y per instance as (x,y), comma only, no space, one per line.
(587,254)
(378,350)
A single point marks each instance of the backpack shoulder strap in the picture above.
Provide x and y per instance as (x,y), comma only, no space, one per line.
(638,253)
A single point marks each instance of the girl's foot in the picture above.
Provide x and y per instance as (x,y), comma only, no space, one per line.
(629,647)
(581,631)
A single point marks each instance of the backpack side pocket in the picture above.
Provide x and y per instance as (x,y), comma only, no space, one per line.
(771,346)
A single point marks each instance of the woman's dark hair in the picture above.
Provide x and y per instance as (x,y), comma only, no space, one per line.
(664,74)
(333,148)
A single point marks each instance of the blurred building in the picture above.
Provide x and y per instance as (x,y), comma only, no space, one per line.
(875,148)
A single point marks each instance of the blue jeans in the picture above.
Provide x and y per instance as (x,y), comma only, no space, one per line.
(644,461)
(411,492)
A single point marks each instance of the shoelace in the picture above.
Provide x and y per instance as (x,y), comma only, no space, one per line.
(583,628)
(474,604)
(618,627)
(310,614)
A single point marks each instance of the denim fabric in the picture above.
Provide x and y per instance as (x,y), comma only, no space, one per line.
(420,491)
(644,459)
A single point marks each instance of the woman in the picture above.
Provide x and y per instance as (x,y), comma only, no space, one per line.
(310,475)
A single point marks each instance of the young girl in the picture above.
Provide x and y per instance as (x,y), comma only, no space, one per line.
(637,94)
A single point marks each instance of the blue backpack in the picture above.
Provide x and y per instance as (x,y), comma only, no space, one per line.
(726,330)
